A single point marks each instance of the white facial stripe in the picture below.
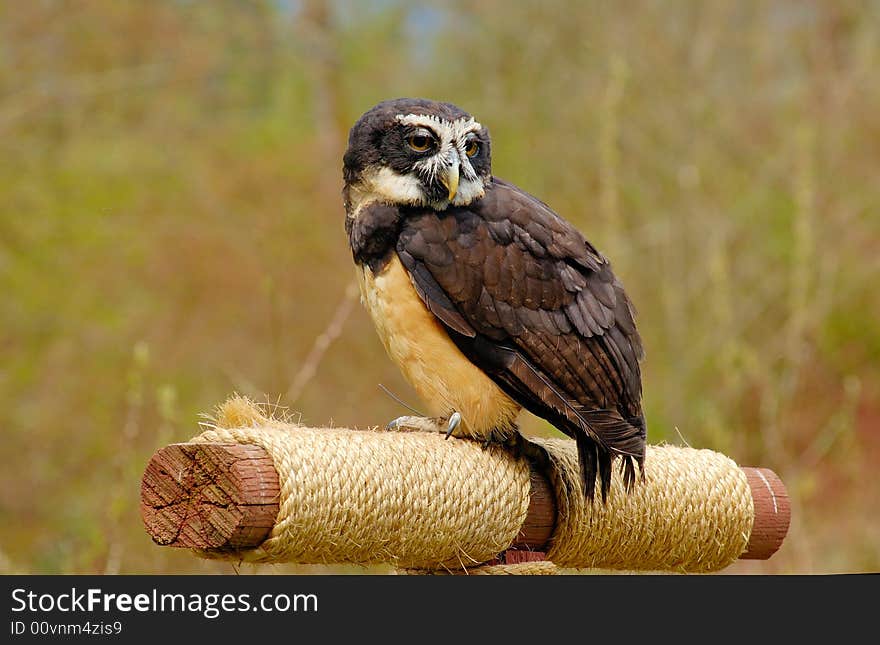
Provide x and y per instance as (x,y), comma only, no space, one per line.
(398,189)
(393,188)
(457,129)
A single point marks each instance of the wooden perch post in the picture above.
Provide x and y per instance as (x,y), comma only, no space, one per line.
(226,498)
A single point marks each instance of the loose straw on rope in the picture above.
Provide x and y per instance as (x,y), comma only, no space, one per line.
(419,502)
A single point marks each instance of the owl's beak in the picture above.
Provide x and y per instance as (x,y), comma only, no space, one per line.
(450,179)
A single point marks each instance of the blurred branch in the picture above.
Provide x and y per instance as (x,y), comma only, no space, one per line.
(322,343)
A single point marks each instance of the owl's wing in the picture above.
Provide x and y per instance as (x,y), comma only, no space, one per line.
(528,300)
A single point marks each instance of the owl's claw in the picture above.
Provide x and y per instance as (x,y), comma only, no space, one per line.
(452,424)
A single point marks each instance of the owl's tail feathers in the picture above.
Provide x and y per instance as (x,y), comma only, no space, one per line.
(608,437)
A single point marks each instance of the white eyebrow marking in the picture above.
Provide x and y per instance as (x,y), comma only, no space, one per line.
(459,128)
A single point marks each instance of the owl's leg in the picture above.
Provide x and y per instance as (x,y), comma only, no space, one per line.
(520,446)
(446,425)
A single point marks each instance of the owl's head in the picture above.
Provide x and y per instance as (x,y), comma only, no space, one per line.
(416,152)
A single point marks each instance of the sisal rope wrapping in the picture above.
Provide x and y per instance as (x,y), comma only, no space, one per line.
(692,512)
(410,499)
(420,502)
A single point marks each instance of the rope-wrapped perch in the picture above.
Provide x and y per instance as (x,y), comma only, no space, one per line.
(274,492)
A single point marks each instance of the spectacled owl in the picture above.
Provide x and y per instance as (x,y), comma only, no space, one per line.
(485,298)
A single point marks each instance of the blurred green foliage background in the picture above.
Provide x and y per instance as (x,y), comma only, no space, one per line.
(171,231)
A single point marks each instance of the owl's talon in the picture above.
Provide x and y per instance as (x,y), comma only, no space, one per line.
(454,420)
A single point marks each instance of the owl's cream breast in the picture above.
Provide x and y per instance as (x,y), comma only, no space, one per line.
(419,345)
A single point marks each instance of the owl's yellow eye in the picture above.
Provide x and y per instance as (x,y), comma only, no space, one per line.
(420,141)
(472,148)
